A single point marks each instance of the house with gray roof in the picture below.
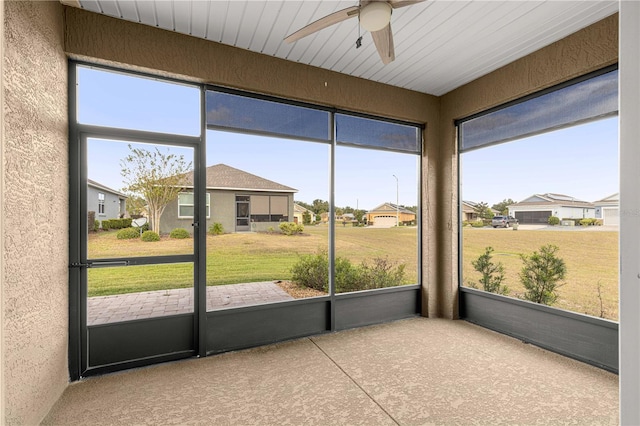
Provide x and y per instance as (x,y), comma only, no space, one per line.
(239,200)
(537,208)
(107,203)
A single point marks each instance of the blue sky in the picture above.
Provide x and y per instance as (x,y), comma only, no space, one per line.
(581,161)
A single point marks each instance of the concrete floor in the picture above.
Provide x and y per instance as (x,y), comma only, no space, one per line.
(412,372)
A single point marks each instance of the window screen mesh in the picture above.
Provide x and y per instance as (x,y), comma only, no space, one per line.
(259,204)
(376,133)
(587,100)
(243,113)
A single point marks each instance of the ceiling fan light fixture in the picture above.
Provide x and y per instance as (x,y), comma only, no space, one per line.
(375,16)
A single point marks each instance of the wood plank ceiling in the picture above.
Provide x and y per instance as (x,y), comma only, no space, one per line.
(440,44)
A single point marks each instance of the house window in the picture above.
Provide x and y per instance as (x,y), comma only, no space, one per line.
(100,203)
(265,208)
(185,205)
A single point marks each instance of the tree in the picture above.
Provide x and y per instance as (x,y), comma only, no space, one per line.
(483,211)
(541,275)
(320,206)
(492,274)
(359,215)
(155,176)
(306,218)
(134,205)
(305,205)
(502,206)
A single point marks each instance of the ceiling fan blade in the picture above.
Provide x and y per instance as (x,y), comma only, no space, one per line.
(323,23)
(383,40)
(396,4)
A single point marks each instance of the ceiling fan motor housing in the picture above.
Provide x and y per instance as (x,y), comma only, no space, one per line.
(375,16)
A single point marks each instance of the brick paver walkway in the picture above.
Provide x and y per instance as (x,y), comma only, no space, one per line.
(149,304)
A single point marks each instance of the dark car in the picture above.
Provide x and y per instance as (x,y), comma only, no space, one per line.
(503,221)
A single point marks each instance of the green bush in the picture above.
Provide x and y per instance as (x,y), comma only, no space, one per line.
(291,228)
(313,271)
(106,225)
(150,236)
(145,227)
(96,225)
(216,229)
(477,224)
(128,234)
(126,223)
(541,275)
(492,274)
(587,222)
(553,220)
(179,233)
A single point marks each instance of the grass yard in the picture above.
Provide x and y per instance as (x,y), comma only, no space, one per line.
(242,257)
(591,257)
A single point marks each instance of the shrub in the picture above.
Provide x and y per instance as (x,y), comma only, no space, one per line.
(291,228)
(553,220)
(477,224)
(128,234)
(492,274)
(96,225)
(179,233)
(312,271)
(145,227)
(126,223)
(587,222)
(150,236)
(541,275)
(380,273)
(106,225)
(216,229)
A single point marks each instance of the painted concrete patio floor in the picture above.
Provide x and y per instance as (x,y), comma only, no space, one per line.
(149,304)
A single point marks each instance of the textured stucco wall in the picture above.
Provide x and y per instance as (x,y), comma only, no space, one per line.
(34,210)
(584,51)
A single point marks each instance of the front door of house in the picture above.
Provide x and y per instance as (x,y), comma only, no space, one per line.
(243,209)
(136,269)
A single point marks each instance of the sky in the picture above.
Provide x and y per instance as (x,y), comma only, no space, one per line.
(580,161)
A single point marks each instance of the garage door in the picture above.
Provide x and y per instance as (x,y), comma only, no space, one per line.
(611,216)
(533,217)
(384,221)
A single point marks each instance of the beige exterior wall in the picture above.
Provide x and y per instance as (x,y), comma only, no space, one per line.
(34,211)
(587,50)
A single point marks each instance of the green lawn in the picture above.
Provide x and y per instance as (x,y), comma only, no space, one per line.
(591,257)
(242,257)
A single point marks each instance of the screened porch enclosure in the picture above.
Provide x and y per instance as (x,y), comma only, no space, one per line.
(207,257)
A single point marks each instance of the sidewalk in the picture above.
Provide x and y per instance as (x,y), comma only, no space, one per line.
(149,304)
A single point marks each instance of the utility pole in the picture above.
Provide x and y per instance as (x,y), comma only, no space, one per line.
(397,205)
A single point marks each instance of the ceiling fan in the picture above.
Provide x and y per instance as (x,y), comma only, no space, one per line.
(374,16)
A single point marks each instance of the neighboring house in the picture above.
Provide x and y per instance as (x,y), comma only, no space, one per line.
(539,207)
(469,212)
(240,201)
(107,203)
(346,217)
(385,216)
(608,209)
(298,213)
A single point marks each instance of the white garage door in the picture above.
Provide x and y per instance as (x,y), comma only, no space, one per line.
(611,216)
(384,221)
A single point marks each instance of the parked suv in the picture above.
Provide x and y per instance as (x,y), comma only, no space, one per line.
(503,221)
